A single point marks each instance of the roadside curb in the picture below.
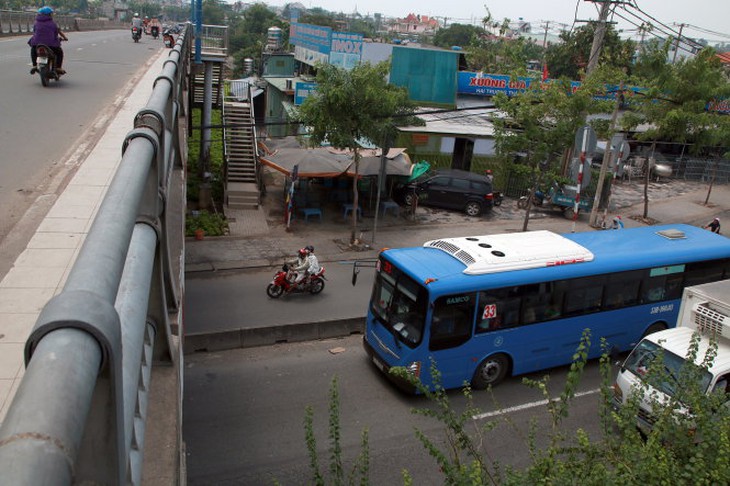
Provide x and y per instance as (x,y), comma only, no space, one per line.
(266,336)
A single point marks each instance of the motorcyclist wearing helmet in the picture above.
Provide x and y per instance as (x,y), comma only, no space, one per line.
(46,32)
(307,264)
(137,21)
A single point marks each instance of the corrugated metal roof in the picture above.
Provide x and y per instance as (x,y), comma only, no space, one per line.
(475,122)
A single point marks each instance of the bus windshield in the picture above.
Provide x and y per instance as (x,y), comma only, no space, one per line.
(642,358)
(399,303)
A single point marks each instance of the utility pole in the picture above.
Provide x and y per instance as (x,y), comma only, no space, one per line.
(607,154)
(598,36)
(676,44)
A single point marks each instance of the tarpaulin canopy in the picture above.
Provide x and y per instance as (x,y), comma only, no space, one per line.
(330,162)
(315,162)
(397,162)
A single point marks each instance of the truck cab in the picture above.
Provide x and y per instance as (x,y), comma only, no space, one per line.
(704,318)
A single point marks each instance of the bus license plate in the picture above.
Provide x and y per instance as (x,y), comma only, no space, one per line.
(379,364)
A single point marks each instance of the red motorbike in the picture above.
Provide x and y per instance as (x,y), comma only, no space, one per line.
(283,282)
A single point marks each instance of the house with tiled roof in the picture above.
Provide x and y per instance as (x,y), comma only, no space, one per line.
(414,24)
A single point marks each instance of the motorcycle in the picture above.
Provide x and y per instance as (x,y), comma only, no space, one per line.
(168,39)
(46,64)
(136,34)
(155,31)
(283,282)
(497,198)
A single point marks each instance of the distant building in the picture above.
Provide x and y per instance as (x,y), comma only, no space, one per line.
(414,24)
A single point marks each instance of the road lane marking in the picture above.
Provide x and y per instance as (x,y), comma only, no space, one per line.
(525,406)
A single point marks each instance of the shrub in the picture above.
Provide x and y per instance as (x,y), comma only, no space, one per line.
(212,224)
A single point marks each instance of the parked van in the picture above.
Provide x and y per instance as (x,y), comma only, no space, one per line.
(705,309)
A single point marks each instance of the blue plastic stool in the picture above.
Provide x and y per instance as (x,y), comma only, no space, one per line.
(307,212)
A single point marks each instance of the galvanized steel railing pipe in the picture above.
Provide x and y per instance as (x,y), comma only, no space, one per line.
(79,413)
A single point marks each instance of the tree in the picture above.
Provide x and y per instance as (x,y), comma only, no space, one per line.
(570,56)
(248,33)
(215,12)
(499,55)
(350,106)
(674,107)
(541,123)
(457,35)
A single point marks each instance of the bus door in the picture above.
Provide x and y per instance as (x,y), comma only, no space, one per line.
(452,320)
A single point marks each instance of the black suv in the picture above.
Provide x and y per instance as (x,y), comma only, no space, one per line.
(450,189)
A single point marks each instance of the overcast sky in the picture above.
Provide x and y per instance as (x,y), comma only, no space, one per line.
(713,15)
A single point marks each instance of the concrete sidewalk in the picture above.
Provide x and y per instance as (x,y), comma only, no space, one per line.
(41,270)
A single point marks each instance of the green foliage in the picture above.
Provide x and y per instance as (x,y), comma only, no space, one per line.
(247,33)
(675,103)
(215,12)
(353,105)
(360,470)
(501,55)
(212,224)
(216,157)
(463,461)
(457,35)
(570,57)
(541,123)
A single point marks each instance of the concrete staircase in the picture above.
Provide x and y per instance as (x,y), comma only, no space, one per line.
(242,166)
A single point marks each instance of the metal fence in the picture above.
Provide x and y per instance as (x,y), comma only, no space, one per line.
(79,414)
(214,40)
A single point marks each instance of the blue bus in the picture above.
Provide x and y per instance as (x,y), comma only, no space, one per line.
(486,307)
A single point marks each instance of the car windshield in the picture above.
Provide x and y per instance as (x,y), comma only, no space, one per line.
(399,303)
(642,358)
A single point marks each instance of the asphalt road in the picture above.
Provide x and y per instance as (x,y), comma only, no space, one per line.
(45,133)
(235,300)
(244,412)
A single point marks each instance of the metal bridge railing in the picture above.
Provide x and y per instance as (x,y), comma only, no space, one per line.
(79,413)
(214,40)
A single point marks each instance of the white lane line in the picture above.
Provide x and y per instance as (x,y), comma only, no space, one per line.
(524,406)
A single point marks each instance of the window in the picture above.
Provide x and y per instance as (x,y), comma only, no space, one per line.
(703,272)
(460,184)
(452,321)
(584,295)
(622,289)
(498,308)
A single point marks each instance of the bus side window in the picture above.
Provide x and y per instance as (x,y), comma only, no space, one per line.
(534,303)
(703,272)
(585,295)
(489,316)
(622,289)
(452,321)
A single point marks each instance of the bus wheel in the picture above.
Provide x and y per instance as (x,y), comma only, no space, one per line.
(490,372)
(656,327)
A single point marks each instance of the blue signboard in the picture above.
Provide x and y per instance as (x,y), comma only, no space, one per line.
(313,37)
(346,49)
(302,90)
(490,84)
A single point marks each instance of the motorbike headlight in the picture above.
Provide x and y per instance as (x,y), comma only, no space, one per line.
(414,369)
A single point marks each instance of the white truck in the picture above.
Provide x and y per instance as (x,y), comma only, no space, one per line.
(704,309)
